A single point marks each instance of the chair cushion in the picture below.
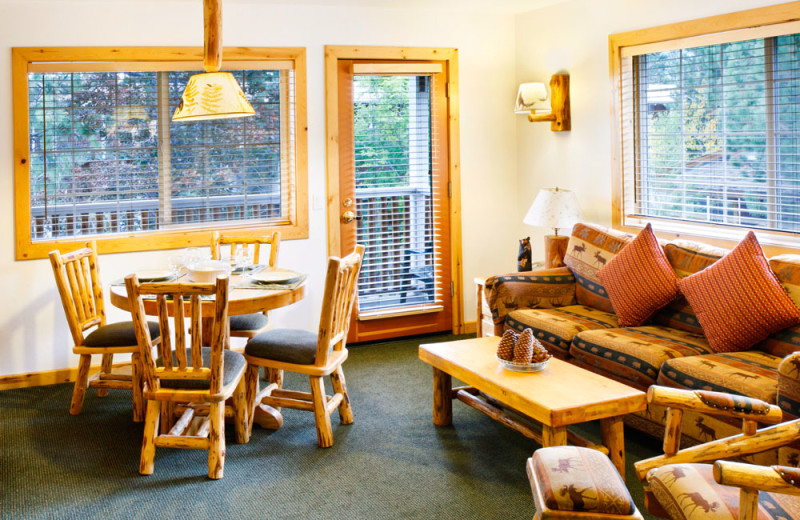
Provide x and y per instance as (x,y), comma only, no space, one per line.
(591,247)
(253,321)
(233,367)
(635,354)
(287,345)
(688,491)
(686,258)
(639,280)
(738,300)
(555,328)
(789,386)
(120,334)
(751,373)
(572,478)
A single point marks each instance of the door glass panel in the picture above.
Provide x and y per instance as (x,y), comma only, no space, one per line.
(394,158)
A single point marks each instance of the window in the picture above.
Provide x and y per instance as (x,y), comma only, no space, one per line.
(102,159)
(710,127)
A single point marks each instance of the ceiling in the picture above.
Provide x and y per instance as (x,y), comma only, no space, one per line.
(494,6)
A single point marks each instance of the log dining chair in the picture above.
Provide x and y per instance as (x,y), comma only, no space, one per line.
(190,382)
(78,281)
(247,325)
(315,354)
(682,483)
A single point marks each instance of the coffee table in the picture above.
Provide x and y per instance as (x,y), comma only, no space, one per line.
(558,396)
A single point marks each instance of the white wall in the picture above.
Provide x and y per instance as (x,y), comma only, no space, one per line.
(573,37)
(33,331)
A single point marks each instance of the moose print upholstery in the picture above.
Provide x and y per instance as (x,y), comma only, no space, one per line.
(571,479)
(570,312)
(688,491)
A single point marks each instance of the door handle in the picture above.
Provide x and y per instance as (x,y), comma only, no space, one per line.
(349,216)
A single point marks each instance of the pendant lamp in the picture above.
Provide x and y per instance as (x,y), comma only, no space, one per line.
(212,94)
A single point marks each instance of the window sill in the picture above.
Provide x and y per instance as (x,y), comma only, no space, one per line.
(719,235)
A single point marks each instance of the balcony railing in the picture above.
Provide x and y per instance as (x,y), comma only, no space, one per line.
(98,218)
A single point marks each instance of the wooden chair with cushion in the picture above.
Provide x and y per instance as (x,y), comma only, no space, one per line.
(247,325)
(191,382)
(693,482)
(316,354)
(78,281)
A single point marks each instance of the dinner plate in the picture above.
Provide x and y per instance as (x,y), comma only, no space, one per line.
(153,275)
(276,276)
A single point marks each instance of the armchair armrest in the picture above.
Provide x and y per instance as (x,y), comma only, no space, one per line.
(543,289)
(775,479)
(715,403)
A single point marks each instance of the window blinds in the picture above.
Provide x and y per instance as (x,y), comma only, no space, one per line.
(711,133)
(396,192)
(106,158)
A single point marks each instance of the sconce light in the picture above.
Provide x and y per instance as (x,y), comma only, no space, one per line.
(531,98)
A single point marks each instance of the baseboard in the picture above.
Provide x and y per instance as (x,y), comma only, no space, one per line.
(470,327)
(51,377)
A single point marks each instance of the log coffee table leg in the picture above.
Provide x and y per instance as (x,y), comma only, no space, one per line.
(613,434)
(554,436)
(442,398)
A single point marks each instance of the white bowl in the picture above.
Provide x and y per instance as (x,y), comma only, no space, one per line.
(206,271)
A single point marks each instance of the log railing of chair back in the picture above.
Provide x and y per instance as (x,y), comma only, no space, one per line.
(337,303)
(244,243)
(81,291)
(181,367)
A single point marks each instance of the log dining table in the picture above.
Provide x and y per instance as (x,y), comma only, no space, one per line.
(241,300)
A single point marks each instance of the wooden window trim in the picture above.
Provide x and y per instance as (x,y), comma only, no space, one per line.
(754,21)
(449,57)
(23,57)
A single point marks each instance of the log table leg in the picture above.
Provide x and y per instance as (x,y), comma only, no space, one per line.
(554,436)
(613,434)
(442,398)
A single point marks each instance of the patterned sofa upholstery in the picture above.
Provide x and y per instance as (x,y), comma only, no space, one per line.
(571,314)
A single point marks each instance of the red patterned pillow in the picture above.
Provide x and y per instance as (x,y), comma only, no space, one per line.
(738,300)
(639,280)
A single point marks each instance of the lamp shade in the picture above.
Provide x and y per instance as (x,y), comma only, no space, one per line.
(554,208)
(212,95)
(531,96)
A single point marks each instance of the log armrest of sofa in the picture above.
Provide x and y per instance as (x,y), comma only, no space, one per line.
(789,385)
(542,289)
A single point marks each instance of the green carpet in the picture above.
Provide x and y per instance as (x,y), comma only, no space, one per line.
(391,463)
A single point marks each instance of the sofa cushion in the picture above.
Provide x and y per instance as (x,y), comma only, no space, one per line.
(781,343)
(639,280)
(688,491)
(789,385)
(752,373)
(686,258)
(738,300)
(787,270)
(555,328)
(635,354)
(590,248)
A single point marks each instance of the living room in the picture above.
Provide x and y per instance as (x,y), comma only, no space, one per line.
(503,159)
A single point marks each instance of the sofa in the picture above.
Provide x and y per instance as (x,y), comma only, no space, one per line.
(571,314)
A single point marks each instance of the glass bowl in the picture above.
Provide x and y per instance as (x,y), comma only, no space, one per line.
(523,367)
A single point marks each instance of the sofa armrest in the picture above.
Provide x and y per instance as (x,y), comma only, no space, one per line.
(543,289)
(789,385)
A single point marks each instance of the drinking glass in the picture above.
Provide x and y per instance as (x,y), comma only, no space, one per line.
(176,263)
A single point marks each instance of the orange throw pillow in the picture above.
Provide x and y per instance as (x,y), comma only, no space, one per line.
(639,280)
(738,300)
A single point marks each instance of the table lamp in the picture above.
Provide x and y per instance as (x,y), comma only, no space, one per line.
(554,208)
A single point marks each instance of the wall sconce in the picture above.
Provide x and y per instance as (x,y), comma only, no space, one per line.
(531,98)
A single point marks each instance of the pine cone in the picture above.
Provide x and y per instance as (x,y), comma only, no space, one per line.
(505,350)
(540,353)
(523,351)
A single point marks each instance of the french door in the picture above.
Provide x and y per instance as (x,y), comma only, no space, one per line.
(393,195)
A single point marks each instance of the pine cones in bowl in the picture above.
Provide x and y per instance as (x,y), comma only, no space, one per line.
(522,352)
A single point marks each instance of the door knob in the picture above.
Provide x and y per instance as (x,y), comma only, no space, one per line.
(348,217)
